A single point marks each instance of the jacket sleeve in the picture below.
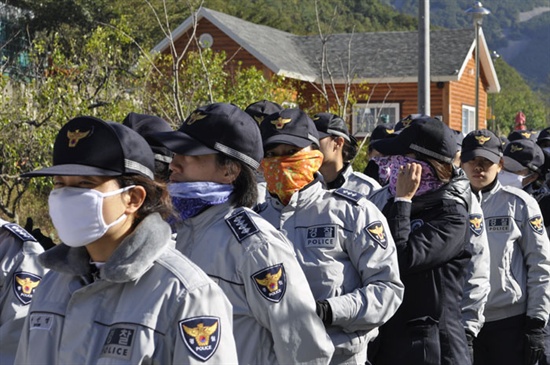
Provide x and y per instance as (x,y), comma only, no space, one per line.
(372,252)
(476,284)
(284,305)
(435,242)
(535,246)
(19,258)
(205,312)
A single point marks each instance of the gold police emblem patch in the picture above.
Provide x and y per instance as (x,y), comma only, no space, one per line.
(536,224)
(201,335)
(75,136)
(271,282)
(24,285)
(280,122)
(482,139)
(377,233)
(195,117)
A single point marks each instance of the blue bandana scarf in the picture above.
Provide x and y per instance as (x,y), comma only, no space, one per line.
(190,198)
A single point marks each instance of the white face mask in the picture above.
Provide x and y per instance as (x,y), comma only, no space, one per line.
(510,179)
(77,214)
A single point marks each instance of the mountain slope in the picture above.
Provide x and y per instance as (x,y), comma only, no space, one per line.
(517,30)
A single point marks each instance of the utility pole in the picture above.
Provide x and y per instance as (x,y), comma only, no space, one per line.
(424,57)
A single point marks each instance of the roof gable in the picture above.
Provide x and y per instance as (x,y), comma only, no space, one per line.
(376,56)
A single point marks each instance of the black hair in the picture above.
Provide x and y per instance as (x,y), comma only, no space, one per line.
(162,171)
(157,199)
(443,170)
(349,151)
(245,190)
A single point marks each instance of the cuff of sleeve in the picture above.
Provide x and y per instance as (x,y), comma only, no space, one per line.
(534,323)
(404,200)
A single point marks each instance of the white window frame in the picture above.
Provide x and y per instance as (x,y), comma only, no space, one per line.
(468,118)
(373,115)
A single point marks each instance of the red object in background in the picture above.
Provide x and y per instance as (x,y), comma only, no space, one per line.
(520,122)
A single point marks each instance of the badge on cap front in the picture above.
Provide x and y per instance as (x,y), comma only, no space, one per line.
(482,139)
(76,135)
(194,117)
(280,122)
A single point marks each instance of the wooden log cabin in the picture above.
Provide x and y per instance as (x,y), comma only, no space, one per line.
(381,67)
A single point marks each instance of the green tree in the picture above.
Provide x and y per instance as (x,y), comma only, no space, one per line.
(108,76)
(515,96)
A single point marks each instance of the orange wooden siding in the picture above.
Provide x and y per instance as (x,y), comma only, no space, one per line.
(447,98)
(463,92)
(222,42)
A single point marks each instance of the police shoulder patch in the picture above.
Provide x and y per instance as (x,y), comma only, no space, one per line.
(19,231)
(242,225)
(271,282)
(377,233)
(24,285)
(536,224)
(349,194)
(201,335)
(476,224)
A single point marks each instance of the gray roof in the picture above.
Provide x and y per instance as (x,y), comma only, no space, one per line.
(380,56)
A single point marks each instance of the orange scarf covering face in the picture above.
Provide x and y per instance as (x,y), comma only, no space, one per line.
(286,175)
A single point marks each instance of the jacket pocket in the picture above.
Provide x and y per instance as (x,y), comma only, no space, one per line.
(424,347)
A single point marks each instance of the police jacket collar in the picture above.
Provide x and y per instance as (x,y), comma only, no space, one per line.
(131,259)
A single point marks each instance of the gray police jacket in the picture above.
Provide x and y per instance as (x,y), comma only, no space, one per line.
(148,304)
(520,252)
(476,284)
(274,318)
(20,274)
(348,255)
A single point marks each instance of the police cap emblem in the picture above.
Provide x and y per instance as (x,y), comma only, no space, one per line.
(77,135)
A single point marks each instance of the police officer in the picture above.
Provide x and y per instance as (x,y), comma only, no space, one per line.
(519,300)
(117,292)
(261,109)
(523,167)
(372,169)
(217,149)
(146,125)
(340,238)
(258,111)
(20,276)
(543,195)
(339,149)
